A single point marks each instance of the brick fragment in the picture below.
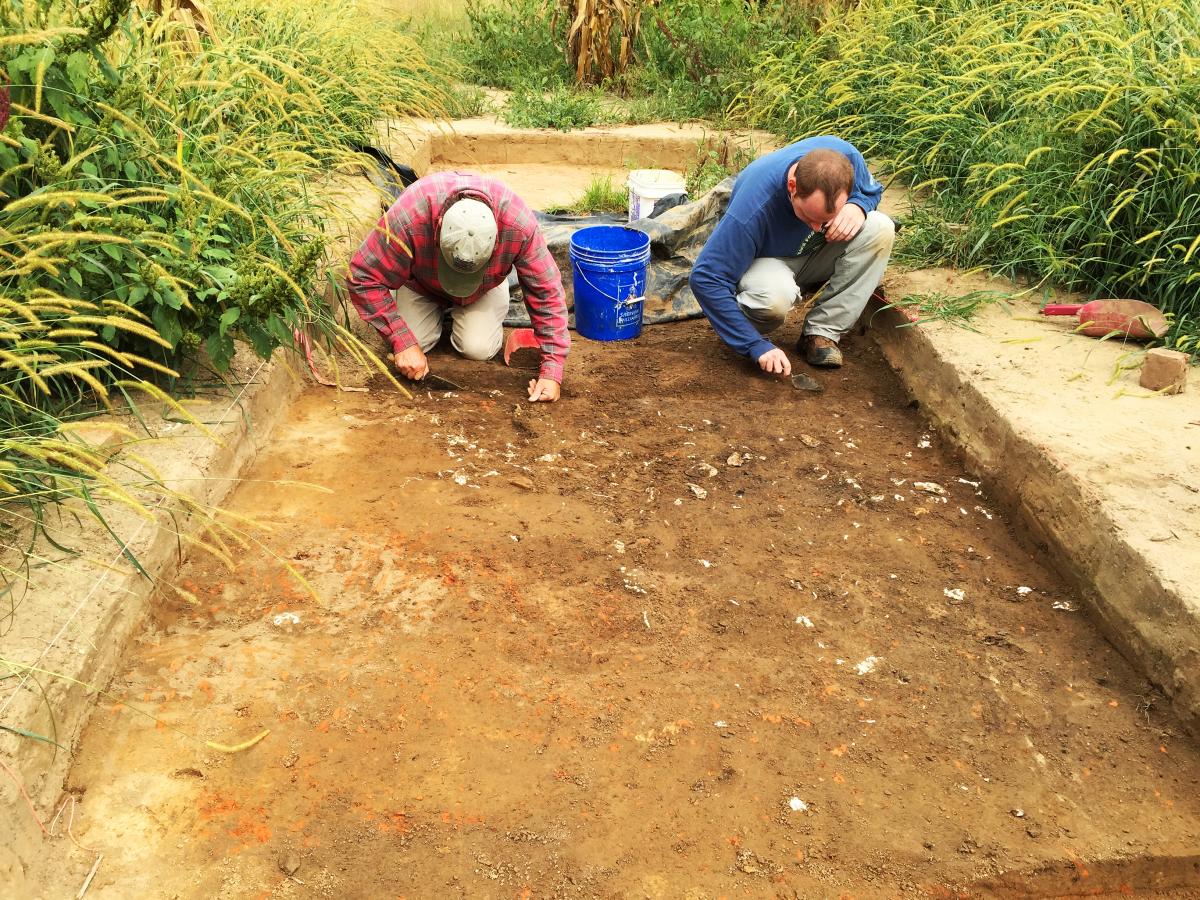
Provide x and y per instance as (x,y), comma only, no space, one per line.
(1164,370)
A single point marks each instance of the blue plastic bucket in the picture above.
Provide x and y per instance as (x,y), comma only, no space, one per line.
(608,271)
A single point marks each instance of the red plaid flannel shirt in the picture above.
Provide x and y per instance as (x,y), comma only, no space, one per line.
(402,250)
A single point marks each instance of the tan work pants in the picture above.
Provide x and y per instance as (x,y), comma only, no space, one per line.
(477,331)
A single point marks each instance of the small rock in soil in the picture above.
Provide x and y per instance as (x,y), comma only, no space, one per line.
(289,864)
(802,382)
(809,441)
(734,460)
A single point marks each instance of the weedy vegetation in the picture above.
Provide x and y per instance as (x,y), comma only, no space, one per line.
(714,165)
(556,106)
(671,60)
(158,203)
(600,196)
(936,306)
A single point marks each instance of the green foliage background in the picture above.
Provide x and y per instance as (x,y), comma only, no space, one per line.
(157,199)
(691,56)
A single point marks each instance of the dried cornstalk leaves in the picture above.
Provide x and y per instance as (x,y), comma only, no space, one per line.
(601,37)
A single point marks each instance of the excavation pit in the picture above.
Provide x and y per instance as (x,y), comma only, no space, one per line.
(539,662)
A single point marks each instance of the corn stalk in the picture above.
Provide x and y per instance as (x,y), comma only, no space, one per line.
(601,36)
(190,21)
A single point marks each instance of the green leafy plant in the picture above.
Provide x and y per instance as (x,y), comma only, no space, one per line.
(465,101)
(697,53)
(557,106)
(176,184)
(668,60)
(509,44)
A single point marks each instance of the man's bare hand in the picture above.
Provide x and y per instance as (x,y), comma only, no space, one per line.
(775,362)
(411,363)
(543,390)
(846,224)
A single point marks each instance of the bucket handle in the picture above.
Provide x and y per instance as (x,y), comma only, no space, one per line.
(628,301)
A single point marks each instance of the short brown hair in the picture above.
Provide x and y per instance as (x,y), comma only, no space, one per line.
(826,171)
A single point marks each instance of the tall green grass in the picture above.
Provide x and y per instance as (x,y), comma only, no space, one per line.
(179,183)
(1060,138)
(600,196)
(159,201)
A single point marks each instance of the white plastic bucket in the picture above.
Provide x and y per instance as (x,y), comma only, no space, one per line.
(648,186)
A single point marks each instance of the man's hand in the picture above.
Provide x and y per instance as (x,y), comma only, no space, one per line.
(846,224)
(543,390)
(411,363)
(775,362)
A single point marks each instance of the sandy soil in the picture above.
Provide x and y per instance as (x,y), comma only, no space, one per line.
(540,663)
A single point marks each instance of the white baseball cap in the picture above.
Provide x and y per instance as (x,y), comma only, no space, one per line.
(465,246)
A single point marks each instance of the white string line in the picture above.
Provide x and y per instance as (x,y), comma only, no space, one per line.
(112,565)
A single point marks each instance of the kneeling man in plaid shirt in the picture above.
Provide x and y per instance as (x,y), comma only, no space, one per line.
(449,242)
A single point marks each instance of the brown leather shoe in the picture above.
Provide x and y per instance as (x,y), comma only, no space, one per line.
(820,351)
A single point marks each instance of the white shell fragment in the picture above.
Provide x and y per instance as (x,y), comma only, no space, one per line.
(867,666)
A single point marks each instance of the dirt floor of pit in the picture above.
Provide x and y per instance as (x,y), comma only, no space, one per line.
(542,664)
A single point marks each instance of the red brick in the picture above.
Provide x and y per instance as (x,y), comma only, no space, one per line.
(1165,370)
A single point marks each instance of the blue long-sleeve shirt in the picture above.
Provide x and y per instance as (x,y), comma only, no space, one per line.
(760,222)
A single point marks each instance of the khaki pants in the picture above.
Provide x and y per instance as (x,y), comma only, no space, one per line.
(771,286)
(477,331)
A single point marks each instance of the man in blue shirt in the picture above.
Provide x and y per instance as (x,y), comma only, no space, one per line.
(800,218)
